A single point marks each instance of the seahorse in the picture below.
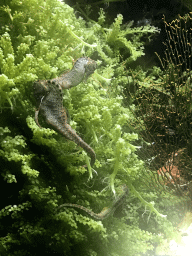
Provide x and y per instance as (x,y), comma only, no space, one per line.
(106,210)
(49,97)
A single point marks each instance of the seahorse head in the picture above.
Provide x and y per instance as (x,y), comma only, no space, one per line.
(86,65)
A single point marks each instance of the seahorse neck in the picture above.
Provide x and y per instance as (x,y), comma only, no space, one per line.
(82,68)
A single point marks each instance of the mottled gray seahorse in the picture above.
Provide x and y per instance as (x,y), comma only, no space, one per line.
(49,100)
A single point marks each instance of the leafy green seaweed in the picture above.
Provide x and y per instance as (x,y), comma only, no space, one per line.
(39,40)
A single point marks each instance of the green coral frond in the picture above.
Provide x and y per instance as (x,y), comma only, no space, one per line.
(39,135)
